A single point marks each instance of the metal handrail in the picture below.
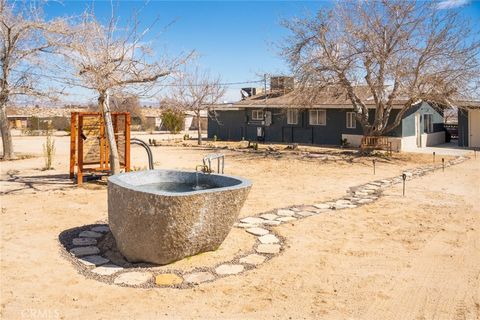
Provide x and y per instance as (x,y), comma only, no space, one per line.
(147,148)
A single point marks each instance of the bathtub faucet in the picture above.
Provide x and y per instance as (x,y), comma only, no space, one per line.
(203,168)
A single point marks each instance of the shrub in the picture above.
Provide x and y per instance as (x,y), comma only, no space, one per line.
(49,149)
(173,121)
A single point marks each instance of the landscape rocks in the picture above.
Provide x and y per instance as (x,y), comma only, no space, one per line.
(268,239)
(253,259)
(90,234)
(107,269)
(285,213)
(252,220)
(226,269)
(167,279)
(102,229)
(84,242)
(84,251)
(269,216)
(268,248)
(257,231)
(94,260)
(133,278)
(198,277)
(286,219)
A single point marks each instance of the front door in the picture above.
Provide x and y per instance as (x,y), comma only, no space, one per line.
(474,128)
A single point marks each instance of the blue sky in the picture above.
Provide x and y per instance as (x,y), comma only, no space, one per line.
(235,39)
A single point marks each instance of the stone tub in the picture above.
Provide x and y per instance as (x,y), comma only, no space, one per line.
(160,216)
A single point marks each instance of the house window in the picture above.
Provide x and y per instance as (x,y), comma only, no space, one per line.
(351,121)
(257,114)
(292,116)
(428,123)
(317,117)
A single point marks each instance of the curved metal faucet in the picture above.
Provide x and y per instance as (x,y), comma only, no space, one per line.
(147,148)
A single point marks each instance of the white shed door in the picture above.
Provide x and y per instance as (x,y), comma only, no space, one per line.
(474,128)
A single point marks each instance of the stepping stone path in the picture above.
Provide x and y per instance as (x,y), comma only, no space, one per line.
(133,278)
(254,259)
(94,260)
(198,277)
(90,234)
(257,231)
(286,219)
(102,229)
(226,269)
(168,279)
(268,248)
(107,269)
(84,242)
(268,238)
(84,251)
(88,254)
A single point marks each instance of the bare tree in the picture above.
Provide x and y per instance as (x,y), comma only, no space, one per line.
(22,32)
(112,60)
(195,91)
(399,50)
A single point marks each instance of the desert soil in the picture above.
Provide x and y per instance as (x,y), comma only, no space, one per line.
(412,257)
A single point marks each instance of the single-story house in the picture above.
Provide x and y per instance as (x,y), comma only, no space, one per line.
(328,121)
(469,124)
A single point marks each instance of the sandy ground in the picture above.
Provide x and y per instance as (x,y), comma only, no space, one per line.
(416,257)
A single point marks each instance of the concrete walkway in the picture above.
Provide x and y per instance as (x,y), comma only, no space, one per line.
(447,149)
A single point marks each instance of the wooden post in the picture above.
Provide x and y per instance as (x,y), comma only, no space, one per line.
(80,150)
(127,142)
(73,133)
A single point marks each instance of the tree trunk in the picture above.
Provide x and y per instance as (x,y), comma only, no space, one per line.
(104,104)
(8,153)
(199,128)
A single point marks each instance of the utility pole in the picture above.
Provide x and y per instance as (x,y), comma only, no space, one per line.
(265,86)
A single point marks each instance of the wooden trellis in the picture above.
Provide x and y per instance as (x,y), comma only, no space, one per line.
(89,150)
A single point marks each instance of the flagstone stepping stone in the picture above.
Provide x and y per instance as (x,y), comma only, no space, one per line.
(342,202)
(198,277)
(269,216)
(305,213)
(133,278)
(362,201)
(257,231)
(322,210)
(102,229)
(167,279)
(286,219)
(90,234)
(268,238)
(252,220)
(84,241)
(271,223)
(84,251)
(340,206)
(268,248)
(295,209)
(245,225)
(226,269)
(285,213)
(254,259)
(94,260)
(107,269)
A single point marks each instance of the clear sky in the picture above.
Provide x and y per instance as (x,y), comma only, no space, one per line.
(235,39)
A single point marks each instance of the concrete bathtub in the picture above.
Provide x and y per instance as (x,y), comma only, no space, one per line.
(160,216)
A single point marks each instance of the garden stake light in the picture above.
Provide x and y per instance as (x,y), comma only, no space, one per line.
(443,165)
(404,177)
(374,166)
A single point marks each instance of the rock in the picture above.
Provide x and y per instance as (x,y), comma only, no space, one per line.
(268,248)
(94,260)
(257,231)
(198,277)
(268,239)
(90,234)
(285,213)
(296,209)
(225,269)
(340,206)
(167,279)
(162,227)
(253,258)
(107,269)
(271,223)
(342,202)
(84,251)
(84,242)
(245,225)
(102,229)
(286,219)
(305,213)
(252,220)
(269,216)
(322,206)
(133,278)
(362,201)
(322,210)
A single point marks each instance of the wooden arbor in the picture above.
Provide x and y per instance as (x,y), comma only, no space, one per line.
(89,150)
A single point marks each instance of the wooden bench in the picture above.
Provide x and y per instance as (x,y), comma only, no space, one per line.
(376,142)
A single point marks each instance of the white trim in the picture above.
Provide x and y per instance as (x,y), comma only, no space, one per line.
(318,112)
(351,118)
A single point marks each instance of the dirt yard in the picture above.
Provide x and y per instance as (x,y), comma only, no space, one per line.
(413,257)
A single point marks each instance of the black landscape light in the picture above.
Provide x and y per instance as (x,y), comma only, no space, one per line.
(443,165)
(433,156)
(404,177)
(373,161)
